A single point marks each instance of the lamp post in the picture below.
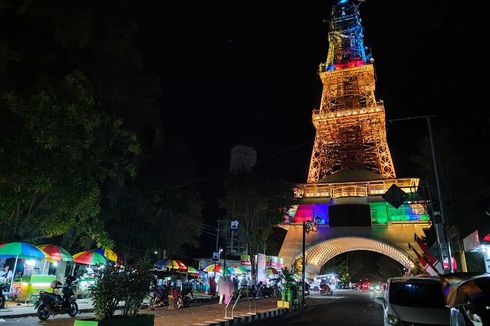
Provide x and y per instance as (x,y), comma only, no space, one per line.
(443,239)
(308,227)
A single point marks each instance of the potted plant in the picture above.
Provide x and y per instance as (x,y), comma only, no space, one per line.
(120,286)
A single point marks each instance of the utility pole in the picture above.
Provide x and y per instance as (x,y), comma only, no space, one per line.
(217,237)
(441,226)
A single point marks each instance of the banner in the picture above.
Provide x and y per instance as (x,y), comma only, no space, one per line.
(261,276)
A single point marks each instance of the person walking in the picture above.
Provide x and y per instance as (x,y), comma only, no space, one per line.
(212,286)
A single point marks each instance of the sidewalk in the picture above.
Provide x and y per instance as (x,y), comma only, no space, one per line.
(209,313)
(17,310)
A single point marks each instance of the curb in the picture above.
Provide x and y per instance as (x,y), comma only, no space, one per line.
(244,319)
(34,314)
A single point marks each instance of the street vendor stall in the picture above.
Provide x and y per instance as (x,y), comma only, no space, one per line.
(27,269)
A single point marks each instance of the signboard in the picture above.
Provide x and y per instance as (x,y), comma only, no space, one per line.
(245,260)
(471,241)
(234,225)
(215,255)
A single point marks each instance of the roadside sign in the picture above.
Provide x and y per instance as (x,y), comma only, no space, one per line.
(395,196)
(234,225)
(216,255)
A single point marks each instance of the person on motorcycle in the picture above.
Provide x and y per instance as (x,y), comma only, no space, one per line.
(325,287)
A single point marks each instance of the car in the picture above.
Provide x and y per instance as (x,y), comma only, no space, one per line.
(468,296)
(414,300)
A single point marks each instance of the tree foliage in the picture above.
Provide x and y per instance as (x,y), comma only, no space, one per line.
(126,285)
(56,153)
(258,203)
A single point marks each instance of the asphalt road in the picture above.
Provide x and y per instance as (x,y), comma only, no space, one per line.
(346,307)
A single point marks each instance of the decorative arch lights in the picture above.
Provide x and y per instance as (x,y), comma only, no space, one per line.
(321,253)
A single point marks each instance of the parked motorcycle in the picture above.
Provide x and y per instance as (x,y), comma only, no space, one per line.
(55,304)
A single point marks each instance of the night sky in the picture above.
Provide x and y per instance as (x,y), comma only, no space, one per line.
(245,72)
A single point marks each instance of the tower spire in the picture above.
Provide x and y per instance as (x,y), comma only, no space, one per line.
(345,37)
(350,123)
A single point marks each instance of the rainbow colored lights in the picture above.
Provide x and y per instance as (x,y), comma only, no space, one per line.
(381,213)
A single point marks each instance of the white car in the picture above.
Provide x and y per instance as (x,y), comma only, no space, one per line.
(414,301)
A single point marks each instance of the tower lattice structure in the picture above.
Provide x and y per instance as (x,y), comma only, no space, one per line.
(350,123)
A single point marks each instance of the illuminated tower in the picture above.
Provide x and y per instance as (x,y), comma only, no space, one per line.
(350,123)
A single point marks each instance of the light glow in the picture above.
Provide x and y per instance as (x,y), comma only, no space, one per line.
(31,262)
(326,250)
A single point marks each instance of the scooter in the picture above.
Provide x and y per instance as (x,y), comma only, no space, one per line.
(55,304)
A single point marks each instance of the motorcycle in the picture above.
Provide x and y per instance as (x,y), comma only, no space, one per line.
(326,290)
(55,304)
(158,297)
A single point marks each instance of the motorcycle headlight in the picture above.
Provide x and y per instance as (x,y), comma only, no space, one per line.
(392,320)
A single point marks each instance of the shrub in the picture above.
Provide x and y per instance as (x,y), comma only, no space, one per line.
(117,284)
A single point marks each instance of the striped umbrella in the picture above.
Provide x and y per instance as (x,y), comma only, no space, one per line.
(108,253)
(237,269)
(20,250)
(213,268)
(171,264)
(56,253)
(192,270)
(89,258)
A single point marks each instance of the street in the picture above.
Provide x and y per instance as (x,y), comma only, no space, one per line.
(345,307)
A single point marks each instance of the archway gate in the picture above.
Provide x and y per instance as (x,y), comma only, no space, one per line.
(391,240)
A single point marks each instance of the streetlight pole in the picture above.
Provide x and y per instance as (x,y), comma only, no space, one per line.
(443,225)
(308,227)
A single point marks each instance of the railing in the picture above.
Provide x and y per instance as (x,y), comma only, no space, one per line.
(241,293)
(354,189)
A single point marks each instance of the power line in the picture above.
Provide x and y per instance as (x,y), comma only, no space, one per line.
(290,149)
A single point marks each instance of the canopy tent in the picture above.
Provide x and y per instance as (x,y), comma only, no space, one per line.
(20,250)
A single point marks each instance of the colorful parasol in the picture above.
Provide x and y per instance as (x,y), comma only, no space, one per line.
(56,253)
(237,269)
(21,250)
(107,253)
(170,264)
(271,271)
(213,268)
(89,258)
(192,270)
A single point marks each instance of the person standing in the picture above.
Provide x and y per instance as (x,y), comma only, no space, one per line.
(212,286)
(6,274)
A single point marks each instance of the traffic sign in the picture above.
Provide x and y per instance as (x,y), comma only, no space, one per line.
(216,255)
(234,225)
(395,196)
